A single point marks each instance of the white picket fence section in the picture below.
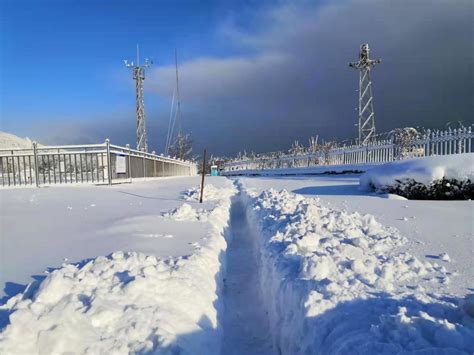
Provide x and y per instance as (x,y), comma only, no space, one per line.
(456,141)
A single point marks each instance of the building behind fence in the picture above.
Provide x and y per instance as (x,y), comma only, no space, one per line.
(93,163)
(447,142)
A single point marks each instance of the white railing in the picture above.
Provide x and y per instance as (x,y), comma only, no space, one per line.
(456,141)
(90,163)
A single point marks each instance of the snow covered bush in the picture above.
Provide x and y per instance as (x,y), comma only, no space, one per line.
(448,177)
(441,189)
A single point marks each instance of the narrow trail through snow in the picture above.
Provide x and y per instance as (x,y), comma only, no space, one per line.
(245,320)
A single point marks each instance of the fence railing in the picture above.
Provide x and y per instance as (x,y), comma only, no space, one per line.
(447,142)
(91,163)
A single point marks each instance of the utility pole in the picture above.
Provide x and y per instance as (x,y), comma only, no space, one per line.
(366,105)
(139,76)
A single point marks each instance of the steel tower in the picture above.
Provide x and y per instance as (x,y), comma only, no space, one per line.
(366,100)
(139,76)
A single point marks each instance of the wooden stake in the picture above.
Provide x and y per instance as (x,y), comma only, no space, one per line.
(203,174)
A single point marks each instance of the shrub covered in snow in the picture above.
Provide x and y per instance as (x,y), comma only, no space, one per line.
(442,189)
(447,177)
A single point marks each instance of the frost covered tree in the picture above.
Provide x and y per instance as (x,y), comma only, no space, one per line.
(182,147)
(404,139)
(296,148)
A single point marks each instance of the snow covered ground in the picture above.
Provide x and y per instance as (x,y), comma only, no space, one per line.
(267,265)
(336,280)
(158,291)
(8,140)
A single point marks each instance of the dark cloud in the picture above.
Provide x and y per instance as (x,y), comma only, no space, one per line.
(296,81)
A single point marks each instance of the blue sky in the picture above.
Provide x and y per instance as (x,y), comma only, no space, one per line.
(64,58)
(255,75)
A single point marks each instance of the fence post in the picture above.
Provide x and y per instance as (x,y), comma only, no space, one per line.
(129,162)
(35,153)
(109,162)
(144,165)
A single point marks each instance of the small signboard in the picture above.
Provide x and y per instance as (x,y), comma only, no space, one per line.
(120,164)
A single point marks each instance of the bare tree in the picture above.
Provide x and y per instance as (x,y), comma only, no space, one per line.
(182,147)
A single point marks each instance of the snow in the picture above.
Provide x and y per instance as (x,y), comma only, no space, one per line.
(137,300)
(431,227)
(313,170)
(335,281)
(422,170)
(245,321)
(288,265)
(8,140)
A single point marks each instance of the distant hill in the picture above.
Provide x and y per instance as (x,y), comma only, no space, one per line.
(8,140)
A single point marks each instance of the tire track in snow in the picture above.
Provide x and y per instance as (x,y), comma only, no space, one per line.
(245,321)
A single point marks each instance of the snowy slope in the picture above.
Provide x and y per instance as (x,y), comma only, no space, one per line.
(137,300)
(336,282)
(8,140)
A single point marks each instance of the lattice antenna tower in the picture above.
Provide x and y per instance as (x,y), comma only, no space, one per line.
(139,76)
(366,99)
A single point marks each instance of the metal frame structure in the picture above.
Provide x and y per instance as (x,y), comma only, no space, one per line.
(366,100)
(139,76)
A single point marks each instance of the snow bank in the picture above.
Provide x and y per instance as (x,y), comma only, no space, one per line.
(211,193)
(127,302)
(8,140)
(422,170)
(337,283)
(312,170)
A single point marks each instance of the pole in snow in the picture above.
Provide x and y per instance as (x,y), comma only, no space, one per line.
(203,174)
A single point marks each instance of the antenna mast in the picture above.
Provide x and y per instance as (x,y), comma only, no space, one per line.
(366,105)
(178,113)
(139,77)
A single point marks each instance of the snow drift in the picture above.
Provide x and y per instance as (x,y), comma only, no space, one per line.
(446,176)
(127,302)
(8,140)
(338,283)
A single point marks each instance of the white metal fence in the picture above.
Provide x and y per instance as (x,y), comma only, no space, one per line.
(447,142)
(92,163)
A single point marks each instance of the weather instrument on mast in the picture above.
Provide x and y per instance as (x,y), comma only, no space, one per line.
(366,100)
(139,77)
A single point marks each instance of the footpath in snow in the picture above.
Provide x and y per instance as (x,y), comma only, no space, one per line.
(245,320)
